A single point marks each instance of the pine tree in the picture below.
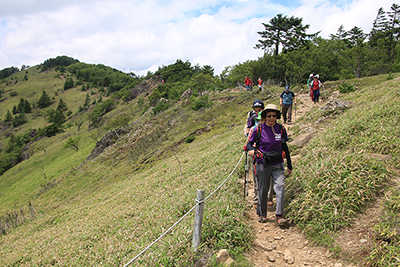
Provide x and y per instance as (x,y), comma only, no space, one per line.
(87,101)
(69,83)
(290,33)
(44,101)
(62,106)
(28,108)
(21,106)
(379,27)
(8,117)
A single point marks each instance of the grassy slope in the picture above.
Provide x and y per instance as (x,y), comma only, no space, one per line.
(108,210)
(338,173)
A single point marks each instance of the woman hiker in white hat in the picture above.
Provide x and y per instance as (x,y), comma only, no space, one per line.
(270,139)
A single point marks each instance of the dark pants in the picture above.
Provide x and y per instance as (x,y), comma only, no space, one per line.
(287,112)
(316,95)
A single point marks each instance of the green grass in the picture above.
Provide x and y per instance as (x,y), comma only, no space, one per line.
(107,210)
(338,175)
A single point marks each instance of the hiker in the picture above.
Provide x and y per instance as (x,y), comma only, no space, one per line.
(258,106)
(259,83)
(270,202)
(315,85)
(309,81)
(258,120)
(247,83)
(286,101)
(270,139)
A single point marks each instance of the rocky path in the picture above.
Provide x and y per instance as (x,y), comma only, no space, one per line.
(285,246)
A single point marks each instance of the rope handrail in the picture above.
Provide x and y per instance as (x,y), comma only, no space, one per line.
(187,213)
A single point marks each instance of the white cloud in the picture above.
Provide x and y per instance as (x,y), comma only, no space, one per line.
(142,35)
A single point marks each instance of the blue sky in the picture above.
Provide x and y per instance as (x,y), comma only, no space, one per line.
(140,36)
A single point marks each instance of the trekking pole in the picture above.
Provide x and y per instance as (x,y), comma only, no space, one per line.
(248,177)
(323,86)
(246,171)
(295,110)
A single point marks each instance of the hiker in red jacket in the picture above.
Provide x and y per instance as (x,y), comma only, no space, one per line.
(247,83)
(259,81)
(315,86)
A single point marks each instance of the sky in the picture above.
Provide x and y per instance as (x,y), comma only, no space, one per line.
(140,36)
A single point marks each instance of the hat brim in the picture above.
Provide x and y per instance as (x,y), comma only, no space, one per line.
(264,113)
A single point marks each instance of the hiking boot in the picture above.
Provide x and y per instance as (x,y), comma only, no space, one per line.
(289,123)
(262,219)
(281,220)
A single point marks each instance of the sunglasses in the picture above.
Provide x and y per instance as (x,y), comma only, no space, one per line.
(269,116)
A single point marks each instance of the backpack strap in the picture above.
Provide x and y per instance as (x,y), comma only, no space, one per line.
(258,136)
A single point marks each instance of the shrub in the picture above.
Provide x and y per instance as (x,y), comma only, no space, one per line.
(72,143)
(161,106)
(119,121)
(52,130)
(19,120)
(198,103)
(69,83)
(190,138)
(346,88)
(101,109)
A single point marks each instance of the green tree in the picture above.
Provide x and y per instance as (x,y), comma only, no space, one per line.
(62,106)
(28,107)
(8,117)
(19,119)
(72,143)
(201,82)
(87,101)
(44,101)
(58,118)
(69,83)
(289,33)
(356,56)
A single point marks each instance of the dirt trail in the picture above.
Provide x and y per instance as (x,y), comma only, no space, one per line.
(285,246)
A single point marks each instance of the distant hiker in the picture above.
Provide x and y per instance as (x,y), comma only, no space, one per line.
(162,81)
(309,81)
(258,106)
(247,83)
(286,101)
(315,86)
(259,83)
(270,139)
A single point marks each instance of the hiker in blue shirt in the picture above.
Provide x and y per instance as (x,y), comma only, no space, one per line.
(286,101)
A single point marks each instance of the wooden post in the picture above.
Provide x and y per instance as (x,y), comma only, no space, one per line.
(198,220)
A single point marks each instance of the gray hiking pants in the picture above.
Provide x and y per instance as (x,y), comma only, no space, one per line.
(264,175)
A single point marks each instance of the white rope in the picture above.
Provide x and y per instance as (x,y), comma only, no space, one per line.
(226,178)
(187,213)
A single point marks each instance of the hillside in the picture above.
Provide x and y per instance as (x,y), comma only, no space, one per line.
(107,209)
